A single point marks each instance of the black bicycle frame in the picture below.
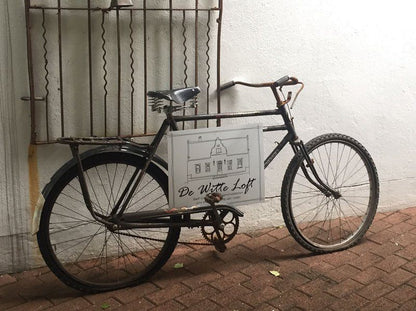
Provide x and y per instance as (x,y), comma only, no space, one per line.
(171,122)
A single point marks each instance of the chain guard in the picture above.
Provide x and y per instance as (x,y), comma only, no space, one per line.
(229,226)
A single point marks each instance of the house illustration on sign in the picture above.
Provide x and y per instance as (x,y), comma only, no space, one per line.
(218,158)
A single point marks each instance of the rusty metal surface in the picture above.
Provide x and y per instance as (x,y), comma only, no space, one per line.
(90,66)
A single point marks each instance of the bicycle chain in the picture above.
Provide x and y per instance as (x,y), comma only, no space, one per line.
(162,241)
(235,218)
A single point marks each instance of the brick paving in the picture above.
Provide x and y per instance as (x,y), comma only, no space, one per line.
(377,274)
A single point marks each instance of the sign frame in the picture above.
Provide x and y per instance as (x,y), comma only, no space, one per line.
(228,160)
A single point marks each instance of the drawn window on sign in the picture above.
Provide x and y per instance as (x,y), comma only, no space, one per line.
(230,165)
(197,168)
(219,166)
(207,167)
(239,162)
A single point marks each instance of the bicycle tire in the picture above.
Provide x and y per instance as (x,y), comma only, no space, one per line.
(324,224)
(84,253)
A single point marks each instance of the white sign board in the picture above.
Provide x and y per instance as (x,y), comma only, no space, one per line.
(224,160)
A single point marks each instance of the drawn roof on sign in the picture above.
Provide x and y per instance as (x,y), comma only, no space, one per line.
(203,149)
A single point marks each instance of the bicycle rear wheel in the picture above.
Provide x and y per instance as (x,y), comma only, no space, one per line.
(326,224)
(83,252)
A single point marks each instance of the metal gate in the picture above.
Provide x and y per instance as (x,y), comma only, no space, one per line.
(91,65)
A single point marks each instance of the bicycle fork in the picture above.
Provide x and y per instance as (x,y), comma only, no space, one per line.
(319,184)
(298,146)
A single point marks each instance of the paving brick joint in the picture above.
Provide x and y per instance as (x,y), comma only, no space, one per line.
(377,274)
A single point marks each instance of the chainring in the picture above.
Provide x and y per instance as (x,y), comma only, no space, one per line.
(229,226)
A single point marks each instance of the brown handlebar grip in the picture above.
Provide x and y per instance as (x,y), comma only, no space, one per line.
(227,85)
(290,81)
(294,80)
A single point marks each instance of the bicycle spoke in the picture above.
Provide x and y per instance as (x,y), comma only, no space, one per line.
(305,186)
(121,183)
(83,217)
(90,254)
(85,247)
(104,190)
(90,186)
(81,203)
(306,197)
(68,227)
(79,241)
(111,199)
(151,202)
(316,209)
(324,222)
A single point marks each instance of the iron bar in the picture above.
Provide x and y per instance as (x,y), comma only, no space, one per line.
(196,53)
(121,9)
(90,69)
(105,71)
(45,58)
(102,120)
(61,83)
(132,75)
(208,61)
(145,65)
(219,28)
(119,73)
(185,61)
(30,73)
(170,44)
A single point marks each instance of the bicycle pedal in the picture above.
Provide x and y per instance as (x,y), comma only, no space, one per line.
(213,198)
(219,245)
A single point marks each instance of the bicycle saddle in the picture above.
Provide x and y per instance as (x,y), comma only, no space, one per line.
(179,96)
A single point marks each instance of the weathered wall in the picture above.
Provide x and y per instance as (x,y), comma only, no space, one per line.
(16,244)
(356,60)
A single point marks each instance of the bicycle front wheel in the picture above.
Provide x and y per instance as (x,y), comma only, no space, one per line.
(326,224)
(83,252)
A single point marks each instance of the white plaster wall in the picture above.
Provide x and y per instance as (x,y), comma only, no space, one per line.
(357,61)
(355,57)
(15,243)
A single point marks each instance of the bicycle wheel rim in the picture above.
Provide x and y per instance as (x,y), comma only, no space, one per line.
(327,223)
(87,255)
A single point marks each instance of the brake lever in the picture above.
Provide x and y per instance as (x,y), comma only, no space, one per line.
(297,94)
(289,94)
(289,97)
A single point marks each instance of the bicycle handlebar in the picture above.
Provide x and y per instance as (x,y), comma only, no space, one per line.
(284,81)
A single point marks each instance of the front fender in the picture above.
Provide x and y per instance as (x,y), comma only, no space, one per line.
(130,148)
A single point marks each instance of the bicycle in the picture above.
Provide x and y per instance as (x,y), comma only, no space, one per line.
(105,222)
